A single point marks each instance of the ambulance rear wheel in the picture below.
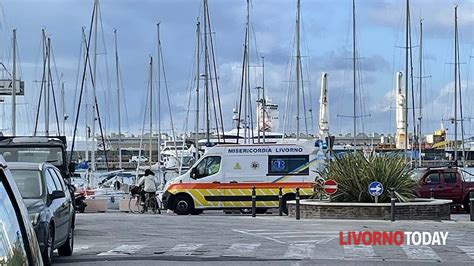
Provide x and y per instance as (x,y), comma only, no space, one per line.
(184,205)
(246,211)
(286,198)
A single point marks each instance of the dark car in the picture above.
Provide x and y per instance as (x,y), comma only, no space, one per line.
(444,183)
(18,243)
(37,149)
(49,204)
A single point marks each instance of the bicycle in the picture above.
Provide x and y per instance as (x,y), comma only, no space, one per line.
(152,203)
(135,204)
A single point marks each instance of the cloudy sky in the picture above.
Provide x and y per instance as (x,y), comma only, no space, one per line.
(326,46)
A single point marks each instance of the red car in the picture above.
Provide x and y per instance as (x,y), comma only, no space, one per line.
(444,183)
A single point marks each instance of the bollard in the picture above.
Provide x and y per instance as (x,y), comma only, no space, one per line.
(280,202)
(254,202)
(431,193)
(471,198)
(392,204)
(297,208)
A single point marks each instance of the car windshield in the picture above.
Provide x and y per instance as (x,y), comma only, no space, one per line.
(29,182)
(417,174)
(52,155)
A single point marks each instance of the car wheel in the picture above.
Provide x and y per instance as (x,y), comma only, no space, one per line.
(196,212)
(67,248)
(467,207)
(183,205)
(47,253)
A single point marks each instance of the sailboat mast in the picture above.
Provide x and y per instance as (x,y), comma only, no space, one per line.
(86,118)
(159,91)
(407,15)
(14,86)
(463,148)
(247,134)
(354,114)
(264,101)
(206,72)
(455,84)
(94,86)
(48,78)
(298,66)
(150,103)
(420,103)
(119,146)
(196,129)
(63,106)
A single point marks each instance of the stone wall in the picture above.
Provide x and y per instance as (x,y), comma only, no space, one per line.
(419,210)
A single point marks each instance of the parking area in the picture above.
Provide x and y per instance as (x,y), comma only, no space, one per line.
(116,238)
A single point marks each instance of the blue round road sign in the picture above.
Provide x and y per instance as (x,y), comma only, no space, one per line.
(375,189)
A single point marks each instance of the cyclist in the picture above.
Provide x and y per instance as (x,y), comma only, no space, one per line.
(149,185)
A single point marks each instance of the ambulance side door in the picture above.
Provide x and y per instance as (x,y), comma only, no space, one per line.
(242,173)
(208,175)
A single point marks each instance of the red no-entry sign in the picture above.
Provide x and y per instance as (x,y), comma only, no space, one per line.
(330,186)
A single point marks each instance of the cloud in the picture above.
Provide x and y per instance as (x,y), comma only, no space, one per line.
(438,16)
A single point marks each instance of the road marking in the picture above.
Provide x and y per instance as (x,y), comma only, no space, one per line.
(81,247)
(122,250)
(238,249)
(299,236)
(358,251)
(469,250)
(420,253)
(317,241)
(257,235)
(299,251)
(186,247)
(299,233)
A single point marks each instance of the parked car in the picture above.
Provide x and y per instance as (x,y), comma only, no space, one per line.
(49,205)
(136,159)
(18,242)
(444,183)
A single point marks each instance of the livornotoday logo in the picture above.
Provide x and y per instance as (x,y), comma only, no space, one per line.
(395,238)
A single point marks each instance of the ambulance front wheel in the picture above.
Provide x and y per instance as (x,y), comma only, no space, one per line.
(184,205)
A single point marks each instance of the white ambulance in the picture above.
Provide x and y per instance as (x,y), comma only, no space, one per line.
(224,177)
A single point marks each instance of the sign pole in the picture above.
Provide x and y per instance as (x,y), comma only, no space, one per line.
(14,86)
(375,189)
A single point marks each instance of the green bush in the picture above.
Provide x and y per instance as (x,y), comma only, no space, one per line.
(354,172)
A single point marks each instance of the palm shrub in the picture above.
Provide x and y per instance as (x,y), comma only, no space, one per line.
(354,172)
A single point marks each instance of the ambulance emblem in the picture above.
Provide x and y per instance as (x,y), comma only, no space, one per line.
(254,165)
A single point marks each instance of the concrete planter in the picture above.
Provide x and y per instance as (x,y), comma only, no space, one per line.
(124,205)
(96,205)
(418,209)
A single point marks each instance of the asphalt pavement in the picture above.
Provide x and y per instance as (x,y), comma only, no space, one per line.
(214,238)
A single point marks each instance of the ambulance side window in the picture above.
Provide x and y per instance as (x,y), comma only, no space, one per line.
(208,166)
(288,164)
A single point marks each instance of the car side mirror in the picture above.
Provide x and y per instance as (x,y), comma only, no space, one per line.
(193,173)
(57,194)
(72,167)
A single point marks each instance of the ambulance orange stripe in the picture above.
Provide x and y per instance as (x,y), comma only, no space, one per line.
(240,185)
